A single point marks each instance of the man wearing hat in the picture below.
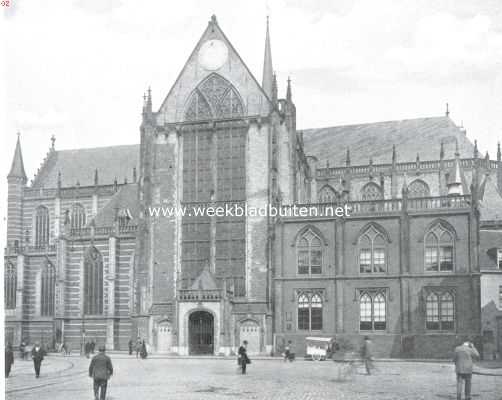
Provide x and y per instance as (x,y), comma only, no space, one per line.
(37,355)
(100,369)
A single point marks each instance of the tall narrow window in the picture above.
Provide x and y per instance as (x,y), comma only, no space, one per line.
(372,311)
(10,286)
(372,252)
(310,312)
(439,245)
(309,254)
(42,226)
(440,311)
(48,289)
(93,282)
(78,218)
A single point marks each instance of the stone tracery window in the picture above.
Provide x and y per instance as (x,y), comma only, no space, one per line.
(42,226)
(371,191)
(372,310)
(439,245)
(309,254)
(10,286)
(78,217)
(327,194)
(372,252)
(47,289)
(93,282)
(418,188)
(215,97)
(310,312)
(440,310)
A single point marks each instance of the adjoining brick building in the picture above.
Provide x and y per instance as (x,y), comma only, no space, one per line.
(86,260)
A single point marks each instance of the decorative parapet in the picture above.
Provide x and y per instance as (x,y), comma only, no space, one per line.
(70,192)
(199,295)
(15,250)
(423,166)
(105,231)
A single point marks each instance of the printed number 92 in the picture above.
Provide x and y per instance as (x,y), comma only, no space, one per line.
(5,3)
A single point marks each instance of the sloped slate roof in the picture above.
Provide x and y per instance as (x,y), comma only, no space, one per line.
(78,166)
(411,136)
(490,205)
(490,241)
(125,198)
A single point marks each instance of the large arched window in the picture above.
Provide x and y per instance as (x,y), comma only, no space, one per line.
(440,311)
(47,289)
(10,286)
(215,97)
(93,282)
(78,217)
(327,194)
(309,254)
(418,188)
(372,311)
(309,312)
(42,226)
(439,246)
(372,252)
(371,191)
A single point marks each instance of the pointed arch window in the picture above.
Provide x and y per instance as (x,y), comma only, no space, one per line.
(373,311)
(309,254)
(10,286)
(327,195)
(418,188)
(371,191)
(310,307)
(440,311)
(78,217)
(439,249)
(47,289)
(93,282)
(42,226)
(372,252)
(215,97)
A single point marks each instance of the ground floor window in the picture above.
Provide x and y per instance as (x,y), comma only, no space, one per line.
(440,310)
(310,311)
(372,310)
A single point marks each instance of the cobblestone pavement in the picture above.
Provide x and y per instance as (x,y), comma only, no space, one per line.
(199,379)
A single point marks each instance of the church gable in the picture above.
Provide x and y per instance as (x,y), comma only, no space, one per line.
(214,83)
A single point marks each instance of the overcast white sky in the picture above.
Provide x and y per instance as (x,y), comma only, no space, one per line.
(78,69)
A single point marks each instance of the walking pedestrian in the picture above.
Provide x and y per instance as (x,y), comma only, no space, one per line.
(288,352)
(143,353)
(92,346)
(87,349)
(130,346)
(243,359)
(463,359)
(368,355)
(22,349)
(37,355)
(139,344)
(100,370)
(9,359)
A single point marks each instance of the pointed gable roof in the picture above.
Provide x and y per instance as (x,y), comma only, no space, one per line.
(233,70)
(205,281)
(17,167)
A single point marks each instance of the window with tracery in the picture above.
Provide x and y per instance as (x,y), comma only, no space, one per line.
(78,217)
(372,311)
(418,188)
(440,310)
(215,97)
(42,226)
(327,195)
(310,312)
(309,254)
(10,286)
(93,282)
(439,245)
(371,191)
(47,289)
(372,252)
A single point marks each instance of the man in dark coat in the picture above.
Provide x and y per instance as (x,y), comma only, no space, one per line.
(243,359)
(37,355)
(130,346)
(9,359)
(368,354)
(100,369)
(462,358)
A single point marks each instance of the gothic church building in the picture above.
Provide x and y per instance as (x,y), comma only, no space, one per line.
(86,260)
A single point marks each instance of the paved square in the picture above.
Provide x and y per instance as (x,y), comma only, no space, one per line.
(200,379)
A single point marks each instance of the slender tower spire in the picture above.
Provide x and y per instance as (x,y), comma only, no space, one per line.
(268,71)
(17,166)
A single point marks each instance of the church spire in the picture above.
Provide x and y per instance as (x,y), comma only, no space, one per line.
(17,167)
(268,71)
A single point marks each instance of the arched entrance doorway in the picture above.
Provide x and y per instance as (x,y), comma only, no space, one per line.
(164,337)
(201,332)
(250,331)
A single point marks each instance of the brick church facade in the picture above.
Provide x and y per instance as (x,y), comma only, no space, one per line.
(86,260)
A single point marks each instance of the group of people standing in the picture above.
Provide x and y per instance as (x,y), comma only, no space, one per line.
(139,347)
(37,355)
